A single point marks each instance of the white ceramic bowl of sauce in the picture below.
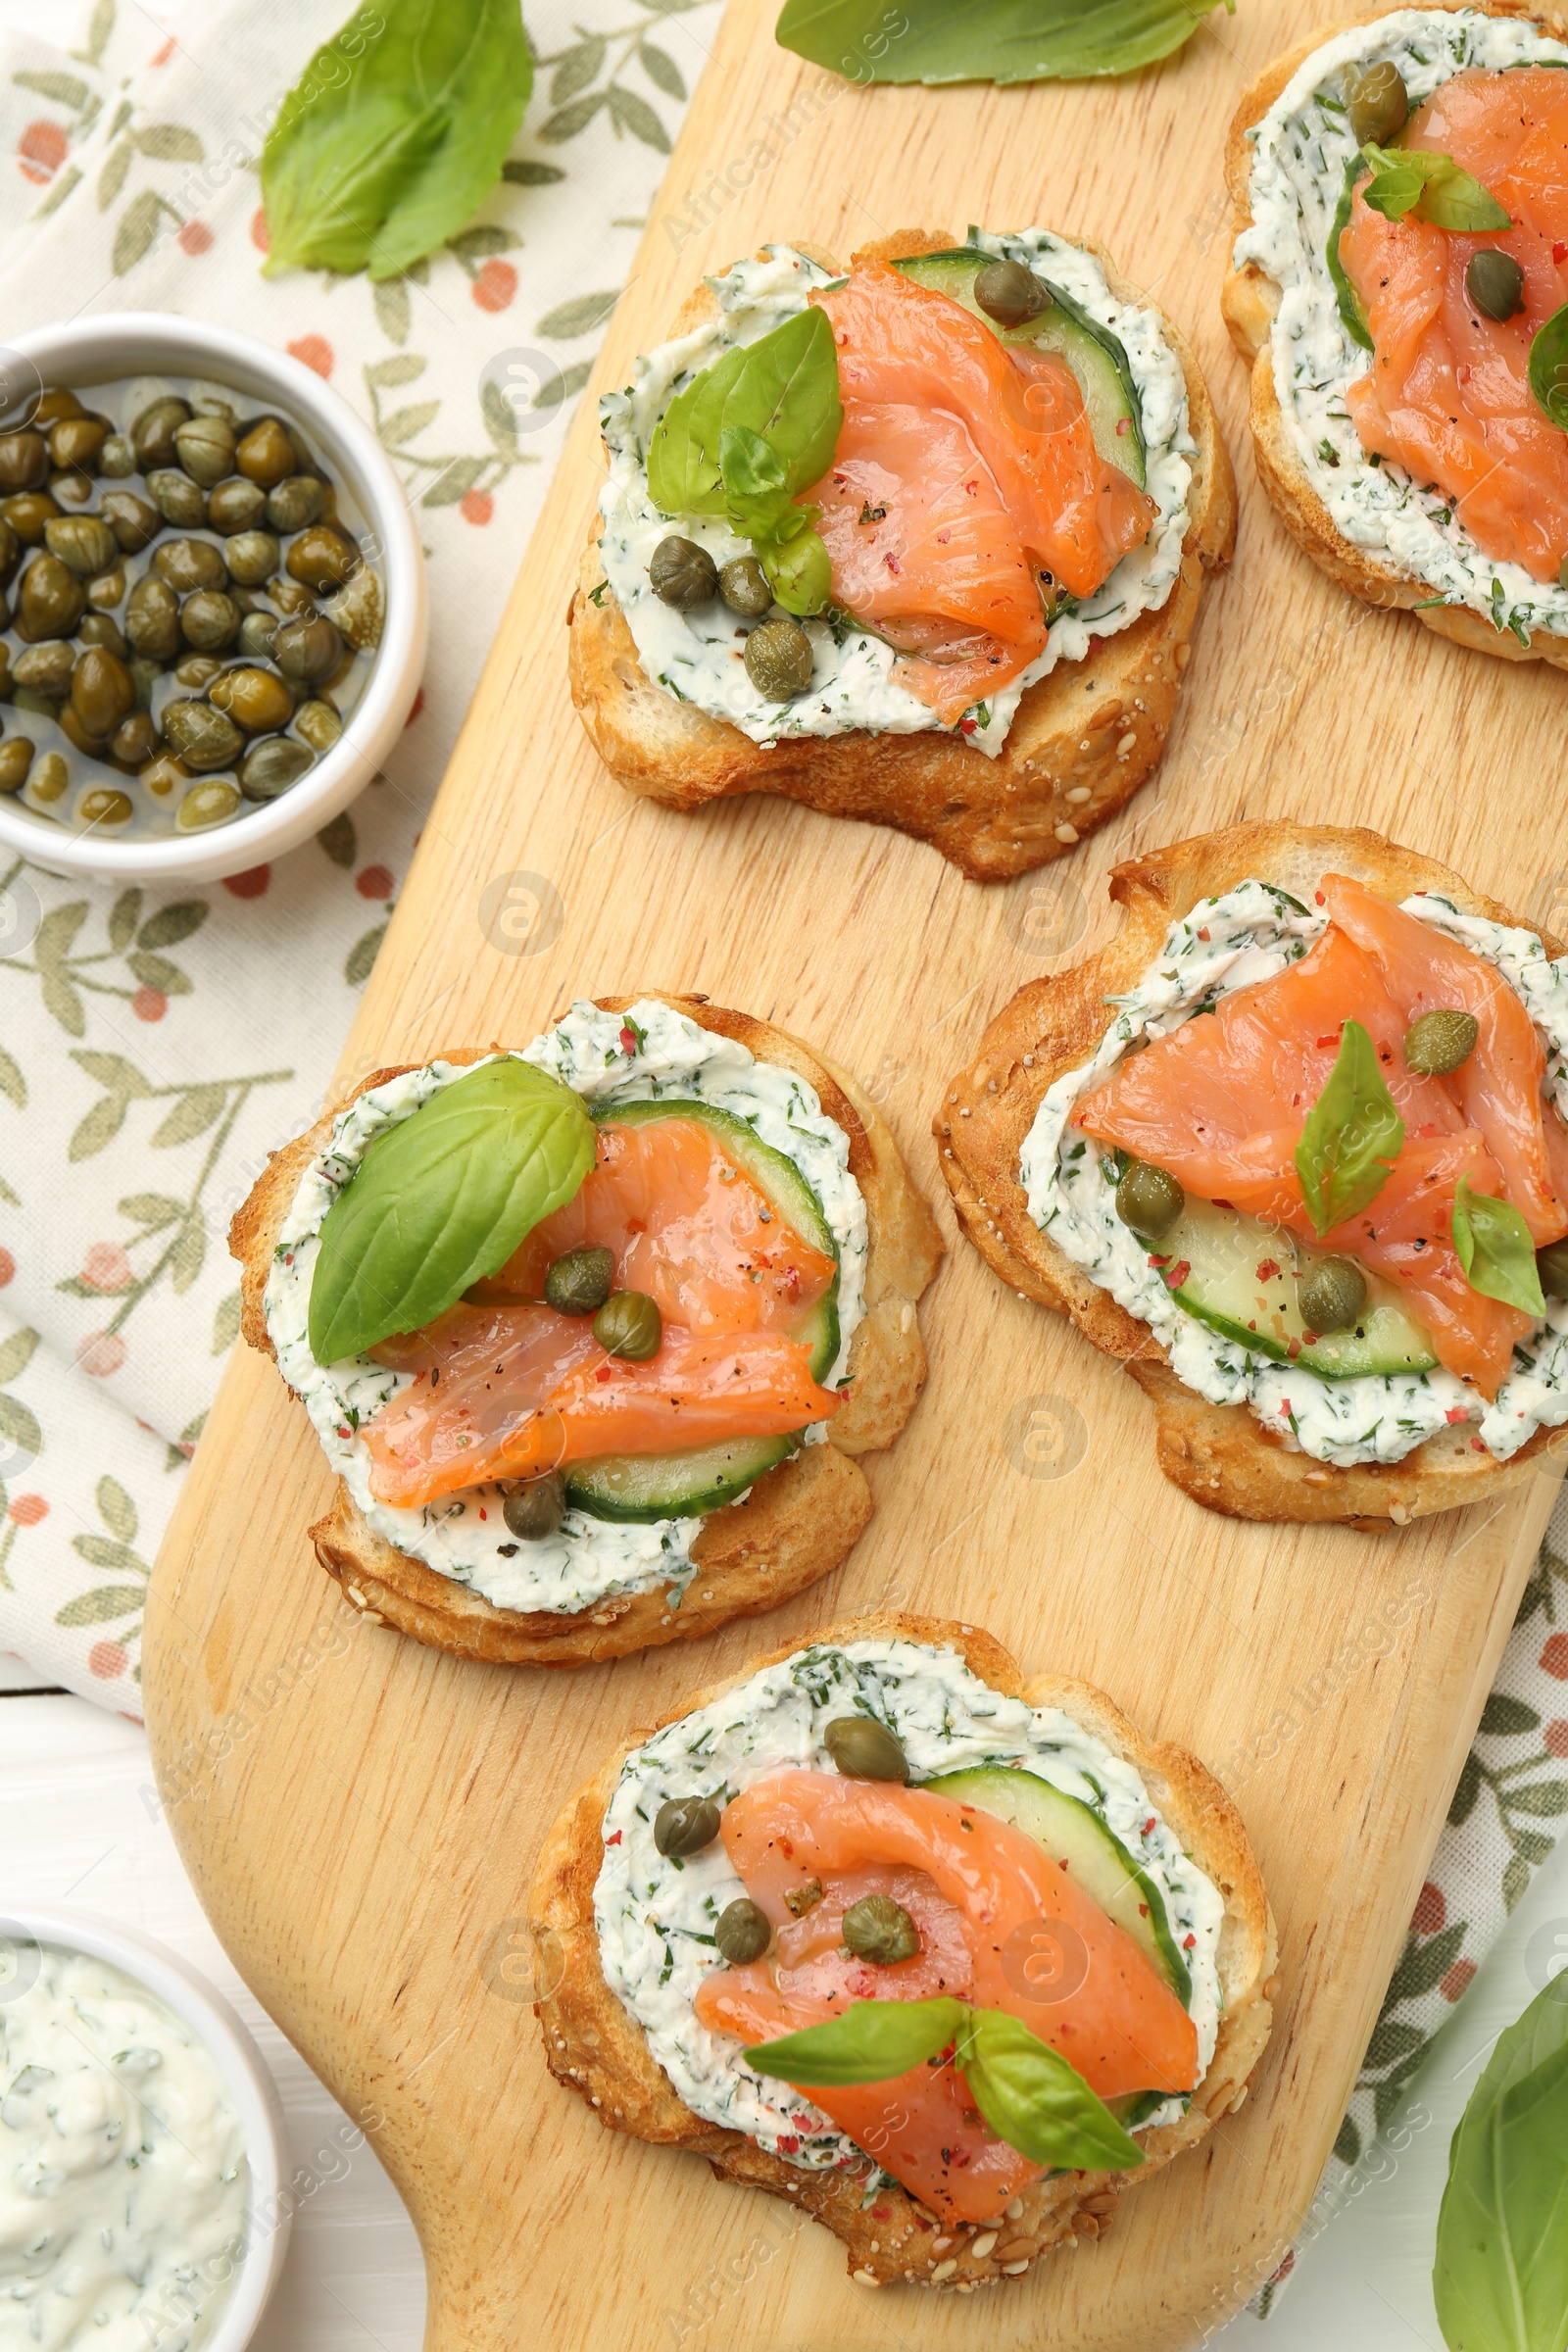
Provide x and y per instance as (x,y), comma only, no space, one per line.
(32,1933)
(116,347)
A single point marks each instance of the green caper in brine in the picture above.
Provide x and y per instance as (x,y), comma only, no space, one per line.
(778,660)
(30,514)
(50,779)
(322,559)
(256,632)
(865,1750)
(118,457)
(196,671)
(235,505)
(15,758)
(134,741)
(101,691)
(99,628)
(45,669)
(1011,294)
(1148,1200)
(252,556)
(51,600)
(83,542)
(152,618)
(75,441)
(682,574)
(1380,105)
(744,586)
(307,649)
(742,1932)
(272,766)
(179,498)
(202,737)
(206,805)
(881,1931)
(267,456)
(209,620)
(186,565)
(533,1508)
(578,1284)
(1495,284)
(296,502)
(1441,1042)
(105,809)
(1331,1294)
(685,1824)
(135,524)
(205,448)
(355,611)
(152,432)
(255,699)
(23,461)
(629,1325)
(318,724)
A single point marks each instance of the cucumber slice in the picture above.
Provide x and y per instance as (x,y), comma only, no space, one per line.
(1094,354)
(1351,315)
(1241,1279)
(1074,1834)
(645,1486)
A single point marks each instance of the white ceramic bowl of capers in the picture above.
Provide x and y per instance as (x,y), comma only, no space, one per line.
(214,601)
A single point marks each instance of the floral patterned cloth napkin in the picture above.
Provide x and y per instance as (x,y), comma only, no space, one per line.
(154,1046)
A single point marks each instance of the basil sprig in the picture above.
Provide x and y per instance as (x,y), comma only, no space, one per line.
(441,1201)
(1027,2092)
(746,436)
(1351,1137)
(1500,2277)
(394,132)
(1496,1249)
(995,40)
(1548,368)
(1434,187)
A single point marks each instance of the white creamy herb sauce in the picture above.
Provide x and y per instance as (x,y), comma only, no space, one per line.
(1249,934)
(654,1916)
(1302,146)
(587,1559)
(123,2178)
(699,656)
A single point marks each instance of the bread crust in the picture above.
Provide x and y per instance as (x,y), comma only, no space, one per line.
(1094,727)
(1250,300)
(1220,1454)
(798,1522)
(596,2047)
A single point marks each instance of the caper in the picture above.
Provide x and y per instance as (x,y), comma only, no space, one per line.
(535,1509)
(99,629)
(23,461)
(152,432)
(209,620)
(800,1900)
(206,805)
(1380,105)
(235,505)
(682,574)
(1495,284)
(205,401)
(578,1284)
(778,660)
(272,766)
(267,454)
(107,590)
(307,648)
(205,447)
(292,597)
(104,806)
(742,1932)
(152,618)
(179,498)
(878,1929)
(255,699)
(196,671)
(355,611)
(15,758)
(49,778)
(134,741)
(42,705)
(69,489)
(295,502)
(9,551)
(101,691)
(190,563)
(252,556)
(321,557)
(318,724)
(84,542)
(135,524)
(629,1325)
(118,457)
(1440,1043)
(77,734)
(30,514)
(1148,1200)
(201,736)
(145,676)
(50,602)
(1331,1294)
(865,1750)
(162,776)
(59,401)
(1551,1264)
(743,584)
(45,669)
(1010,293)
(684,1825)
(75,441)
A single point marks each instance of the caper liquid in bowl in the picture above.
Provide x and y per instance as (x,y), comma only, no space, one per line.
(188,616)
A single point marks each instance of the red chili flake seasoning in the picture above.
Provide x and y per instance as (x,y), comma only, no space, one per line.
(788,2144)
(1188,1942)
(483,1513)
(967,727)
(891,562)
(1322,900)
(629,1039)
(1284,1410)
(613,1839)
(1270,1270)
(1477,1446)
(786,1849)
(1149,1825)
(881,2213)
(1177,1274)
(1203,934)
(1160,1262)
(1456,1412)
(1559,254)
(1293,1348)
(602,1372)
(1142,1910)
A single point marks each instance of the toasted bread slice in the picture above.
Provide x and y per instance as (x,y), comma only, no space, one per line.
(594,2044)
(1251,299)
(1083,740)
(1220,1454)
(798,1522)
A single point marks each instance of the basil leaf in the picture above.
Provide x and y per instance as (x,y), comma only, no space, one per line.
(1501,2276)
(1548,366)
(757,491)
(1351,1137)
(388,141)
(1407,179)
(1496,1249)
(441,1201)
(799,571)
(1035,2101)
(998,40)
(871,2042)
(784,387)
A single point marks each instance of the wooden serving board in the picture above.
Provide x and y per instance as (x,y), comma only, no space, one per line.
(361,1817)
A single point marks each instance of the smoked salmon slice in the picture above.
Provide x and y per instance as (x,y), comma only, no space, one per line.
(1449,395)
(966,481)
(977,1888)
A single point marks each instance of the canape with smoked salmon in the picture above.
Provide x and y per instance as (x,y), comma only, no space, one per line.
(1293,1148)
(807,1927)
(922,543)
(1400,292)
(593,1332)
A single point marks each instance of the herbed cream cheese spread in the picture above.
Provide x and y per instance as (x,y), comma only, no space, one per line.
(697,657)
(123,2178)
(1302,146)
(655,1915)
(465,1536)
(1226,943)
